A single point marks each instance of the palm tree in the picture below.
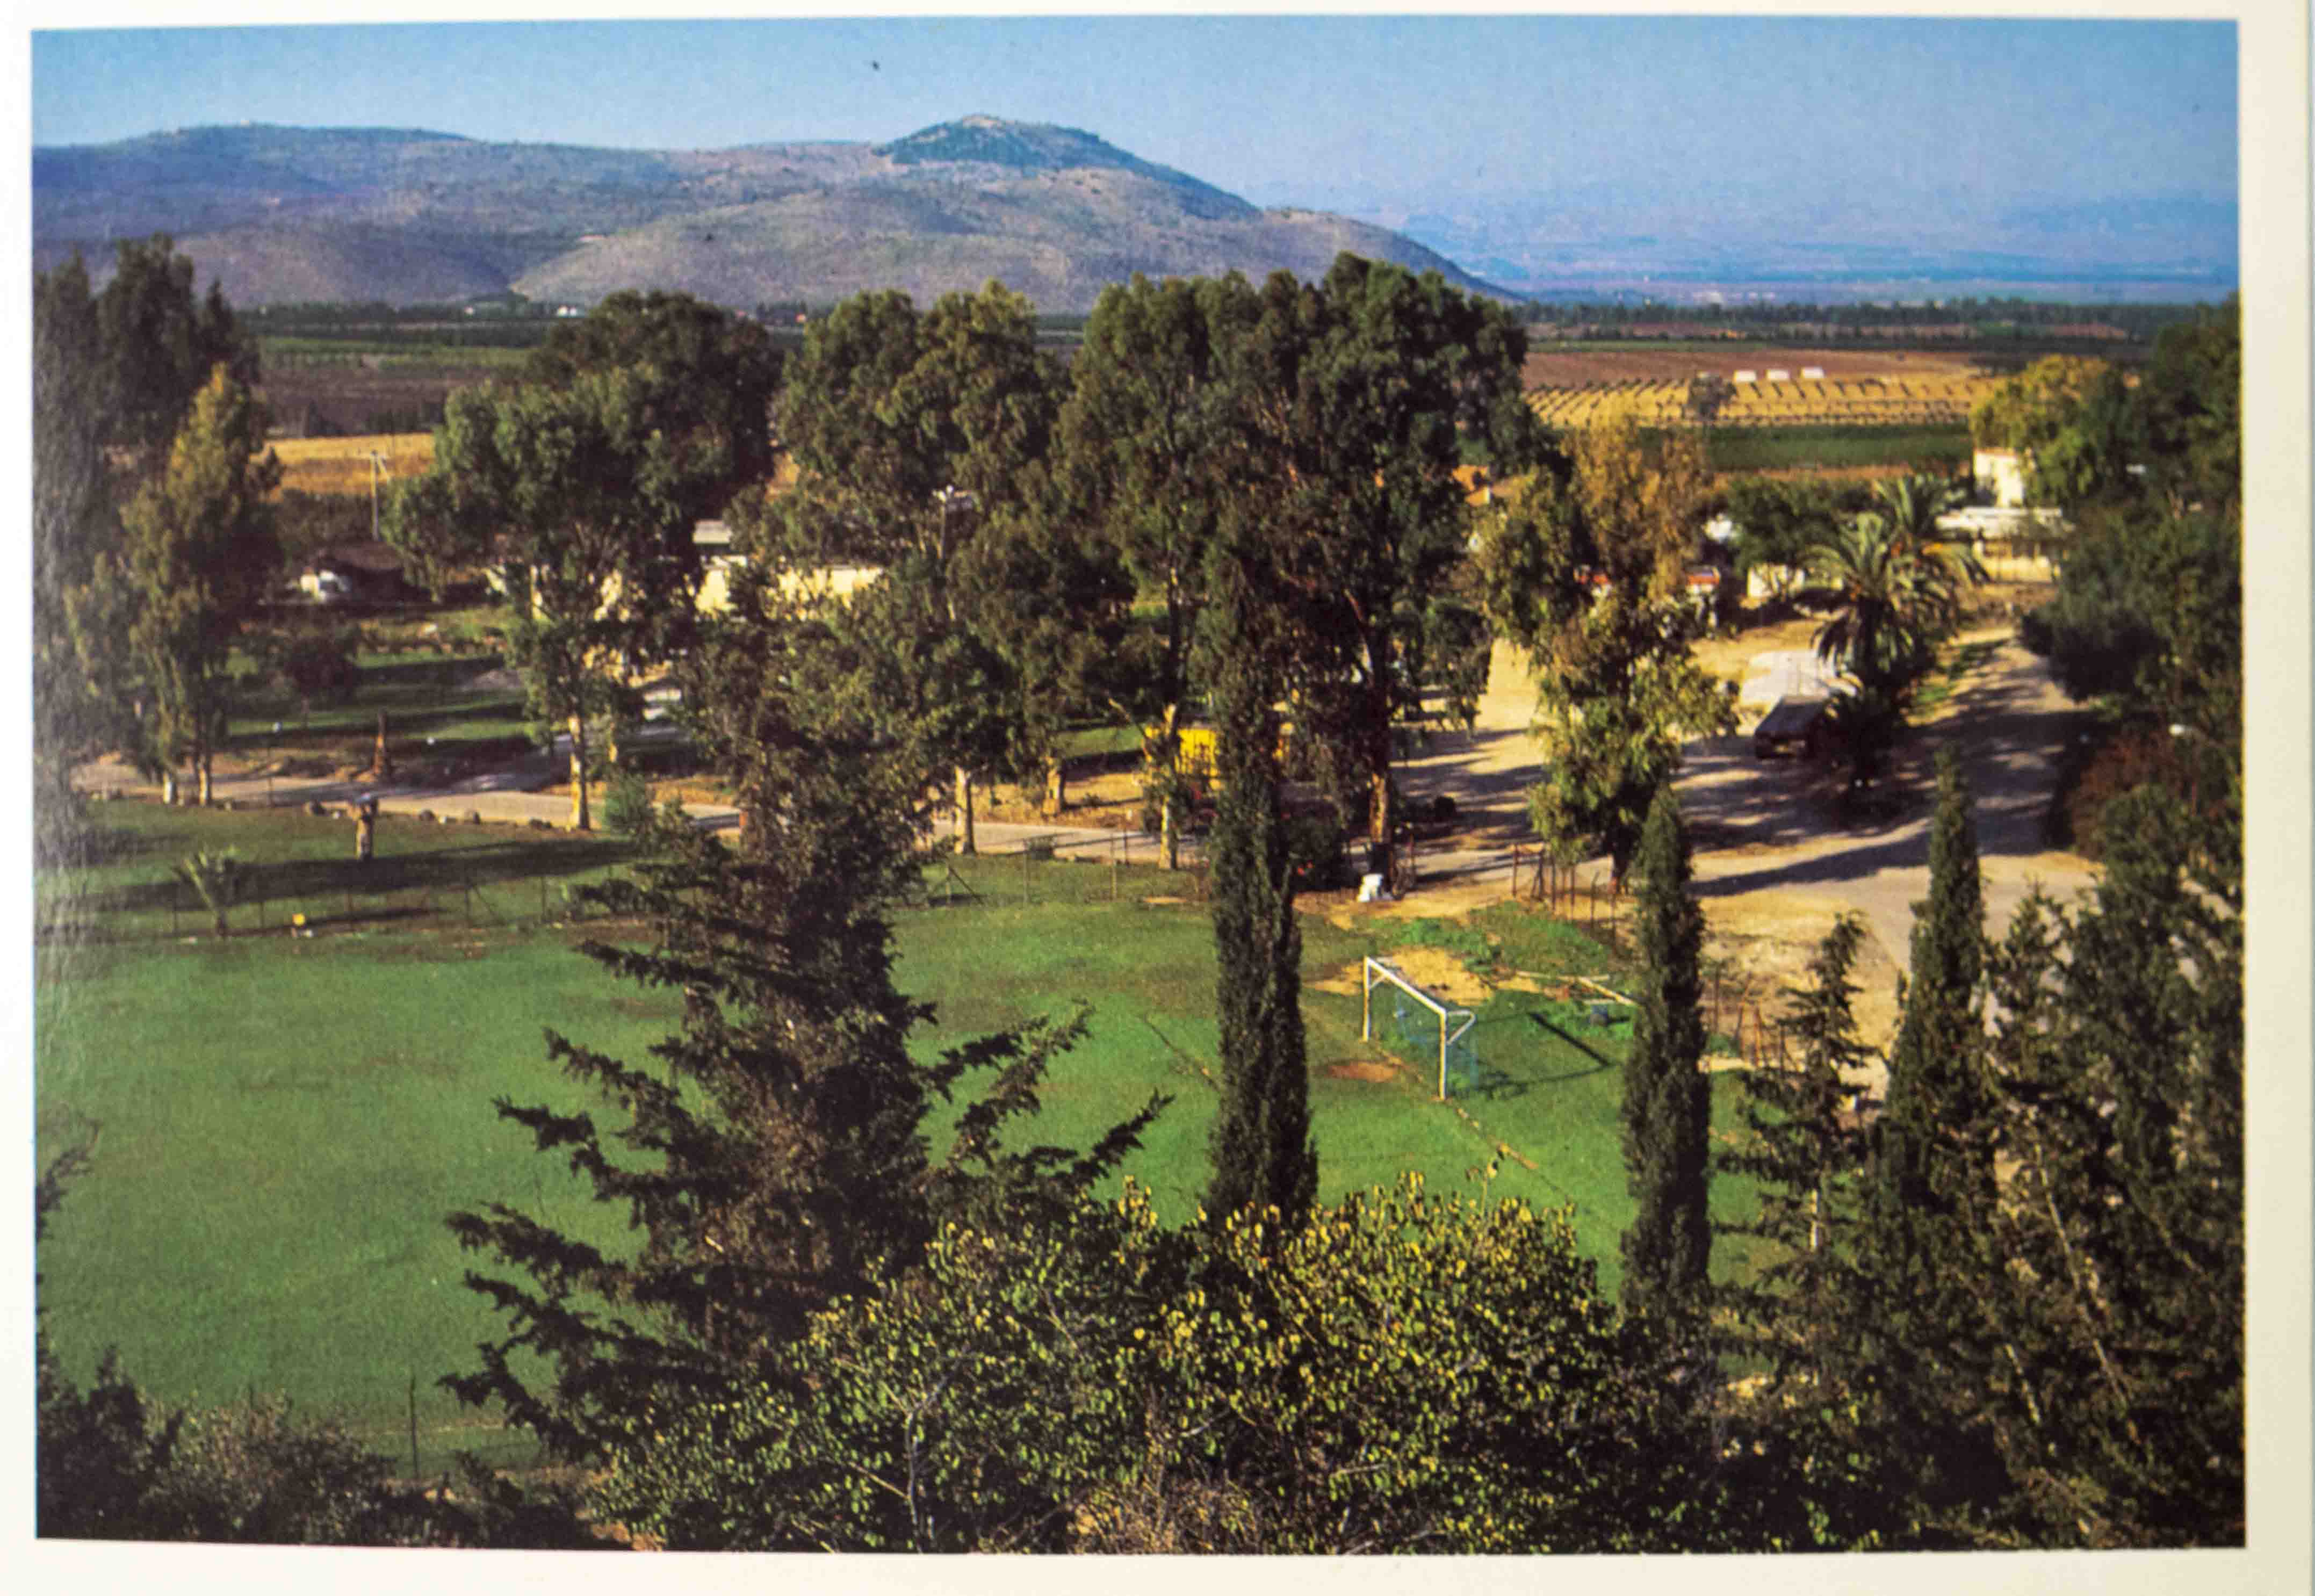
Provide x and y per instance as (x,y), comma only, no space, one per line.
(218,877)
(1901,596)
(1912,504)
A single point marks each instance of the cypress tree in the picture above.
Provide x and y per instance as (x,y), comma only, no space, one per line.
(1804,1157)
(1808,1442)
(1933,1162)
(1930,1203)
(1667,1100)
(1261,1151)
(2120,1237)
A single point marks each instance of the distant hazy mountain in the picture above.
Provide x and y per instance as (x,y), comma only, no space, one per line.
(281,214)
(1718,236)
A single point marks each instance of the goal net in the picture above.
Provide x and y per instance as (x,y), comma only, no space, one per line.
(1424,1020)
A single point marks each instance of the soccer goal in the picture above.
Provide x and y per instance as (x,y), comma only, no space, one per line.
(1424,1020)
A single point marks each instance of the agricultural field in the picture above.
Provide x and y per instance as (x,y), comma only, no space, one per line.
(1594,365)
(349,393)
(1824,451)
(340,468)
(281,1122)
(1910,400)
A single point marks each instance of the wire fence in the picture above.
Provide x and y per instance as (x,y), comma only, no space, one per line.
(173,911)
(1059,868)
(1735,1021)
(1600,908)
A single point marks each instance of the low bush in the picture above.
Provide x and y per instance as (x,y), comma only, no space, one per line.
(2103,769)
(627,803)
(1315,849)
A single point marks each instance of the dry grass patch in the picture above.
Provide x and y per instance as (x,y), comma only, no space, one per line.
(1435,970)
(341,465)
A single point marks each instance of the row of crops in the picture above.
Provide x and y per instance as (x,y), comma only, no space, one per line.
(1868,401)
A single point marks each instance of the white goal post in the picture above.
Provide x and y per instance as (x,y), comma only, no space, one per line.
(1452,1022)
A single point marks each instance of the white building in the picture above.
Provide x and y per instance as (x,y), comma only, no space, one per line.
(2000,474)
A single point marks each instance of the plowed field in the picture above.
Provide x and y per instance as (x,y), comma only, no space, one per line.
(1576,368)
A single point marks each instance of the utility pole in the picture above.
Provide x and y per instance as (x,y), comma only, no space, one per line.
(376,470)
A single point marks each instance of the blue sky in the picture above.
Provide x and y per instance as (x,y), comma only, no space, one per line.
(1273,108)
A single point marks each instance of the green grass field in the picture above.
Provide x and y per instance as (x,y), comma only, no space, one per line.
(423,697)
(1772,448)
(417,351)
(422,876)
(282,1123)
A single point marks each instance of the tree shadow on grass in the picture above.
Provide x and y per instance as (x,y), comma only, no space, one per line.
(343,724)
(1496,1084)
(448,870)
(93,844)
(1600,1060)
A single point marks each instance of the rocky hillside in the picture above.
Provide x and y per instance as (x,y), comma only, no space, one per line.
(288,213)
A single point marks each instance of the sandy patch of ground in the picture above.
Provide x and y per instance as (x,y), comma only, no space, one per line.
(1111,800)
(1439,901)
(1770,936)
(1731,658)
(1435,970)
(1364,1070)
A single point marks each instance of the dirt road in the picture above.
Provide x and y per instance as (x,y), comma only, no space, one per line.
(1774,860)
(1775,863)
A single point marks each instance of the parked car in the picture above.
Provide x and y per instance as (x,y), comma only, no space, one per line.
(1797,726)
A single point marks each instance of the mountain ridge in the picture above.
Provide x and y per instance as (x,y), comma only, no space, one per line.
(403,215)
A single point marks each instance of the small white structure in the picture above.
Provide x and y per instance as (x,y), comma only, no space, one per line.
(1746,376)
(1787,673)
(718,563)
(1774,581)
(1812,374)
(2000,474)
(1779,373)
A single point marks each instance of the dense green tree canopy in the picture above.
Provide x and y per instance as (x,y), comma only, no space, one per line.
(198,552)
(115,376)
(1147,468)
(908,427)
(161,343)
(1354,398)
(1589,575)
(916,436)
(582,508)
(708,380)
(1410,1371)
